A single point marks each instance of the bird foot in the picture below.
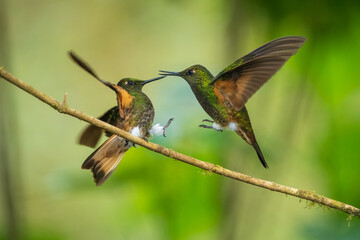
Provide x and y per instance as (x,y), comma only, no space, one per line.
(207,120)
(128,143)
(210,127)
(166,126)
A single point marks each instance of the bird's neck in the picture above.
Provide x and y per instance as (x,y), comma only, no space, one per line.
(140,98)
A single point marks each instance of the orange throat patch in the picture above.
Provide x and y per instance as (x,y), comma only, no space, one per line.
(124,100)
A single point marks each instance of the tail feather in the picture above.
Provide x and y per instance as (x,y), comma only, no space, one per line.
(104,172)
(104,160)
(259,153)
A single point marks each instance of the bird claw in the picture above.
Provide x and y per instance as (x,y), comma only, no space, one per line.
(127,143)
(166,126)
(210,127)
(205,126)
(207,120)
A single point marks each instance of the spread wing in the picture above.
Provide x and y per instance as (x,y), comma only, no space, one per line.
(91,135)
(239,81)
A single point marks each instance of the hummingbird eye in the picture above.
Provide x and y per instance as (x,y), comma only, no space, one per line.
(129,83)
(191,72)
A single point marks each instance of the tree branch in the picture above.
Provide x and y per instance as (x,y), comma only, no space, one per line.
(63,108)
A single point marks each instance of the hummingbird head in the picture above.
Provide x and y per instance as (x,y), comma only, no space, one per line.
(132,84)
(194,75)
(129,84)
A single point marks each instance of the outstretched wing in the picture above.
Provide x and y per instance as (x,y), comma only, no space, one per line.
(91,135)
(239,81)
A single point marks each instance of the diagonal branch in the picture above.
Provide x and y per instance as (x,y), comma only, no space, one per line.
(302,194)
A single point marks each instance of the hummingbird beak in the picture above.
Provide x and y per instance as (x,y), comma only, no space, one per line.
(168,73)
(151,80)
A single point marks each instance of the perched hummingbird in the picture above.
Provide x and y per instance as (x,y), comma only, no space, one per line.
(134,114)
(223,97)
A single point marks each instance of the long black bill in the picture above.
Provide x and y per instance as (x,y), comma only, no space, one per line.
(153,79)
(168,73)
(88,69)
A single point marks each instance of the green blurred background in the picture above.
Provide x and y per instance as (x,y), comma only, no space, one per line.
(306,119)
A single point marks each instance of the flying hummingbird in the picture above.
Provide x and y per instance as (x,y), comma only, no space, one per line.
(223,97)
(134,114)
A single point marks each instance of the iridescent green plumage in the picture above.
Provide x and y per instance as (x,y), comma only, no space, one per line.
(139,113)
(134,114)
(223,97)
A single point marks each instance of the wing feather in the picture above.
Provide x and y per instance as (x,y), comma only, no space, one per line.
(238,82)
(91,135)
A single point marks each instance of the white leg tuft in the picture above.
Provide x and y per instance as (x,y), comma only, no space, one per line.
(157,130)
(233,126)
(135,131)
(216,126)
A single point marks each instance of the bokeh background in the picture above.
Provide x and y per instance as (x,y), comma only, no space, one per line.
(306,119)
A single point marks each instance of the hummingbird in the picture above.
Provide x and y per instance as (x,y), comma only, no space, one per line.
(223,97)
(134,113)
